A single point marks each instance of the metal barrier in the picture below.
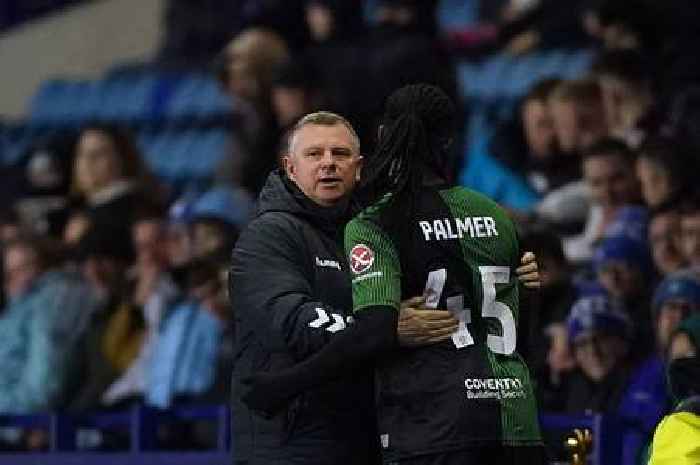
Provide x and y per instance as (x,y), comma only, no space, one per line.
(142,423)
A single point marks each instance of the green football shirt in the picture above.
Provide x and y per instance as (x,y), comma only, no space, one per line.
(460,251)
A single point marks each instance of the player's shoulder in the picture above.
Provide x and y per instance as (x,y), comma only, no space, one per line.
(464,193)
(475,201)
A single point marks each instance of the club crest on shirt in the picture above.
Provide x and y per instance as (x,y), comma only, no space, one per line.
(361,258)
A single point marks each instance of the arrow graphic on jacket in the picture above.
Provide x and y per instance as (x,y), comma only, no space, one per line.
(321,320)
(338,325)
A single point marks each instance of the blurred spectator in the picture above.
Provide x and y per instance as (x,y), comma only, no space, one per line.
(9,225)
(184,360)
(542,24)
(339,54)
(246,73)
(685,342)
(690,229)
(46,314)
(403,17)
(216,218)
(579,115)
(610,376)
(665,170)
(116,331)
(623,268)
(628,24)
(44,203)
(178,236)
(676,298)
(608,169)
(294,93)
(404,49)
(111,180)
(665,240)
(334,20)
(154,292)
(526,147)
(625,80)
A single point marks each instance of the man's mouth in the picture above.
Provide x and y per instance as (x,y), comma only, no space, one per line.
(329,181)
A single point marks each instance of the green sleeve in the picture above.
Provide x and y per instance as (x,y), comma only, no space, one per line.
(374,266)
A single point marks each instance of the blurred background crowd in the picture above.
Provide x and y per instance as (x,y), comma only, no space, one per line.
(122,197)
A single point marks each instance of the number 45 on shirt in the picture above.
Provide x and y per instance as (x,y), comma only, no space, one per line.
(490,308)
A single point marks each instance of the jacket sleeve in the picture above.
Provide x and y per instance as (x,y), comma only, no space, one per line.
(271,290)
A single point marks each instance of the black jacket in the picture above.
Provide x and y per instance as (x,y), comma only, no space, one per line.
(290,292)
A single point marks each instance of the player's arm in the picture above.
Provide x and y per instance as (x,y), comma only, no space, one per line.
(270,289)
(376,294)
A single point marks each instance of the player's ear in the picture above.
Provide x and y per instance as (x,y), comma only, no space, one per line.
(289,167)
(360,164)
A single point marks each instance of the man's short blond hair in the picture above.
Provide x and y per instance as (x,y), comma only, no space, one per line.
(323,118)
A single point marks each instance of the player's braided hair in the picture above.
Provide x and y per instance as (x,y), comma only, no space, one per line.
(418,124)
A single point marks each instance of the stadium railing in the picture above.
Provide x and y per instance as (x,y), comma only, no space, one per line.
(142,423)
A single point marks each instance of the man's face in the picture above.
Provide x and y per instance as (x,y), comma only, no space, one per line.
(288,104)
(612,182)
(620,279)
(598,353)
(690,237)
(655,181)
(682,347)
(665,242)
(20,270)
(578,125)
(207,238)
(671,314)
(324,161)
(148,239)
(539,128)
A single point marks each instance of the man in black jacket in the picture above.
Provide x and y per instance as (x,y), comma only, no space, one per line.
(291,292)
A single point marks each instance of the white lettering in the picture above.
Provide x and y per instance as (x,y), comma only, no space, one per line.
(464,227)
(479,226)
(374,274)
(327,263)
(440,232)
(425,226)
(490,226)
(450,234)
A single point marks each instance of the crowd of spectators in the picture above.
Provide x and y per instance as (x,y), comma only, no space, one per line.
(114,282)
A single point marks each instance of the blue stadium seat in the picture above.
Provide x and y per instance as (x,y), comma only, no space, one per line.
(188,154)
(197,95)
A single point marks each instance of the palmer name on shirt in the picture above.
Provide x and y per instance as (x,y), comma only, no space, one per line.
(458,228)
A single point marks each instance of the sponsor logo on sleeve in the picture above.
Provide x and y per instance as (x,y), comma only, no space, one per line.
(361,258)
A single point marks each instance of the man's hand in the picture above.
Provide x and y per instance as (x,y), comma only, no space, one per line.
(528,273)
(421,326)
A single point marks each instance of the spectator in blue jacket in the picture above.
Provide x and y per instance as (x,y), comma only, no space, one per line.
(46,313)
(521,158)
(183,365)
(610,377)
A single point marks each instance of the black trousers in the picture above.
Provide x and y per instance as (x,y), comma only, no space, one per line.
(487,455)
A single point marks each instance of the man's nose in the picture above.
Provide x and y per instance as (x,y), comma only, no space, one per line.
(328,159)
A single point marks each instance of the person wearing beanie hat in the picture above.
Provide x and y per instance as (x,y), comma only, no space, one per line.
(677,297)
(624,269)
(599,331)
(610,378)
(216,218)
